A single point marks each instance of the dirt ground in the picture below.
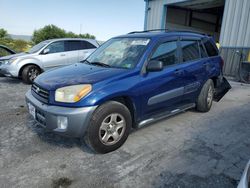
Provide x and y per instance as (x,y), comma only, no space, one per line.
(187,150)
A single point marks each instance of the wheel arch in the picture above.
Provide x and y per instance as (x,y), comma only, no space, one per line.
(128,102)
(25,65)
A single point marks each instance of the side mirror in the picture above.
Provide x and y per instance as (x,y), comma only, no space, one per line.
(46,51)
(154,66)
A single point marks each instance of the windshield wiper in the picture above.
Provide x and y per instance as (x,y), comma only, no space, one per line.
(95,63)
(85,61)
(100,64)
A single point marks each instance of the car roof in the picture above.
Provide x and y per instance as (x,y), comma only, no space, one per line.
(156,34)
(63,39)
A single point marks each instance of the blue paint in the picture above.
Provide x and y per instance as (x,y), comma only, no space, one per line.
(138,87)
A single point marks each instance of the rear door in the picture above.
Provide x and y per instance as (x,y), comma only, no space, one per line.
(78,50)
(56,55)
(193,61)
(163,90)
(86,49)
(73,48)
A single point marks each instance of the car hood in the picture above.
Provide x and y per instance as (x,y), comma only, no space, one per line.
(23,54)
(78,73)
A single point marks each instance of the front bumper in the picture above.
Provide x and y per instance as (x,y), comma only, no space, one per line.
(48,116)
(9,70)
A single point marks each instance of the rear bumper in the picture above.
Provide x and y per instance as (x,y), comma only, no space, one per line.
(48,116)
(222,87)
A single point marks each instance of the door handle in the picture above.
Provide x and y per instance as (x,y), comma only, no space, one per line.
(62,55)
(205,64)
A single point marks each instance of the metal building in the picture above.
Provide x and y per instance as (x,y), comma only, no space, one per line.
(228,21)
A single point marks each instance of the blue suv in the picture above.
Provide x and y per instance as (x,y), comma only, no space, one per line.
(128,82)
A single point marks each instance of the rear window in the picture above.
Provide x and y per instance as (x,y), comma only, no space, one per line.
(86,45)
(73,45)
(211,49)
(190,50)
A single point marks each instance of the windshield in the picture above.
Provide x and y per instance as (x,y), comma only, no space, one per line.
(37,47)
(119,52)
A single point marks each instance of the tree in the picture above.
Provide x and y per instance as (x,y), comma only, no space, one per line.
(52,31)
(48,32)
(3,33)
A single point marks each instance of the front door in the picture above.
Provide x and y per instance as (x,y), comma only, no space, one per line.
(163,90)
(55,55)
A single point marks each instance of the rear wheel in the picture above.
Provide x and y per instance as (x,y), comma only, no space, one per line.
(109,127)
(29,73)
(206,96)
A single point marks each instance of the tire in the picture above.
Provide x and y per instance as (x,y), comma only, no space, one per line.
(29,73)
(106,120)
(205,98)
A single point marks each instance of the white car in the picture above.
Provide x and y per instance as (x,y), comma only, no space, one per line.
(245,178)
(46,55)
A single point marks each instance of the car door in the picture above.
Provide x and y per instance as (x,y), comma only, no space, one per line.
(162,91)
(86,49)
(73,48)
(194,63)
(54,55)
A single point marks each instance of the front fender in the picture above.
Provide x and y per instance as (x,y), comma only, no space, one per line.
(28,61)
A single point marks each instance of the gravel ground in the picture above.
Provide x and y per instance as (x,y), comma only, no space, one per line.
(188,150)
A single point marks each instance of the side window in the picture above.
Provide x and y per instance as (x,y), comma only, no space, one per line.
(190,50)
(167,53)
(73,45)
(202,50)
(211,49)
(86,45)
(56,47)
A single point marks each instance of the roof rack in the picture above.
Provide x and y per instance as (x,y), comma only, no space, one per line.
(168,30)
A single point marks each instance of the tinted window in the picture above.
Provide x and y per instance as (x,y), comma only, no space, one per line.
(86,45)
(190,50)
(167,53)
(202,50)
(73,45)
(211,49)
(56,47)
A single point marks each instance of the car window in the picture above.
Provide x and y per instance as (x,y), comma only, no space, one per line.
(73,45)
(56,47)
(202,50)
(211,49)
(167,53)
(190,50)
(86,45)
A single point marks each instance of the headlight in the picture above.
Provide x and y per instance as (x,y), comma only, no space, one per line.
(72,94)
(8,62)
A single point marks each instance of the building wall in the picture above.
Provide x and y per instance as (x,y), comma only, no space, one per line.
(235,29)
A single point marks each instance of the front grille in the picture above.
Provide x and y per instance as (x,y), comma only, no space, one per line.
(40,93)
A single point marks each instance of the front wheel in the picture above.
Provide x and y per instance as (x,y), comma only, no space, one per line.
(29,73)
(109,127)
(206,96)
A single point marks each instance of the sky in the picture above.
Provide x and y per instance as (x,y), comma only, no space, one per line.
(102,18)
